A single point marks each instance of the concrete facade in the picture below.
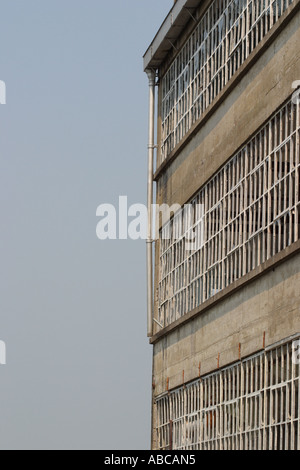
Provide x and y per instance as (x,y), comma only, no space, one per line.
(262,307)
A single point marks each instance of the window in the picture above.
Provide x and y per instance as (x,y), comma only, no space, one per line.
(251,405)
(224,38)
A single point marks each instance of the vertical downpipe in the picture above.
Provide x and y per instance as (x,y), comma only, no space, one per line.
(151,146)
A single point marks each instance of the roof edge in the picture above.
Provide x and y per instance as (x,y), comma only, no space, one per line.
(170,29)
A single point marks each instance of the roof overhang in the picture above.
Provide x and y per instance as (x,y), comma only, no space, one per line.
(170,30)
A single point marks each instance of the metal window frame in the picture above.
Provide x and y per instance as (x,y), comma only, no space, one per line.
(224,38)
(251,212)
(251,405)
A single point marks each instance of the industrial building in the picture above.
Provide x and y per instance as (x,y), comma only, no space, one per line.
(224,314)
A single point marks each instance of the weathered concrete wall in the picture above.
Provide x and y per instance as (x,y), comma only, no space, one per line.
(270,303)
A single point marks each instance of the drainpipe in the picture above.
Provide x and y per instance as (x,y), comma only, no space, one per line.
(151,147)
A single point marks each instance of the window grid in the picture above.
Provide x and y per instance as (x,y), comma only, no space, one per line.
(247,213)
(224,38)
(252,405)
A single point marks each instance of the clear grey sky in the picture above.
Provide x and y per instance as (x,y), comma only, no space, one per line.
(73,135)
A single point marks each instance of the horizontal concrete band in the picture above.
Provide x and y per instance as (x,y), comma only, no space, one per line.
(244,69)
(264,348)
(260,271)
